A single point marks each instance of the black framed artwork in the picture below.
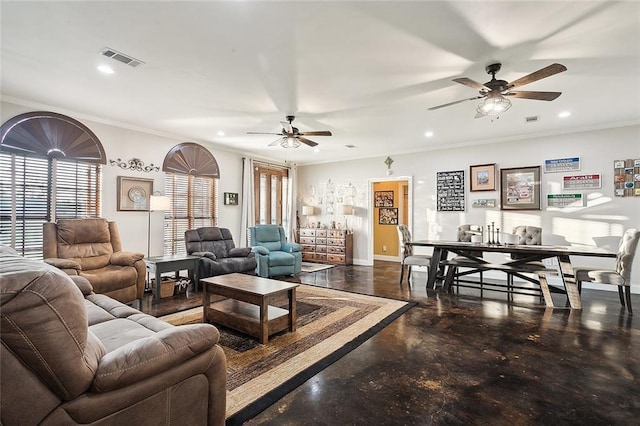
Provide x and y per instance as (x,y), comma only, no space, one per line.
(388,216)
(383,198)
(231,198)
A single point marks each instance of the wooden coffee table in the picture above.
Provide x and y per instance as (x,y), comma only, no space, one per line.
(249,305)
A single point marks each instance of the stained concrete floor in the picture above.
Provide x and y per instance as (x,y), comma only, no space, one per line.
(461,359)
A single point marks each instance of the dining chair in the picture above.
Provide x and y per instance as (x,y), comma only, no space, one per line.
(527,235)
(621,275)
(464,234)
(408,258)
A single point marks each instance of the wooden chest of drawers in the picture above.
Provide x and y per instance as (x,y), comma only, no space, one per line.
(326,246)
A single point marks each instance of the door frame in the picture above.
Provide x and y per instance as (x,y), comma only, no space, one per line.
(409,207)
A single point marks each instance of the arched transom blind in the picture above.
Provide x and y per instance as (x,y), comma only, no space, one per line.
(51,135)
(191,183)
(191,159)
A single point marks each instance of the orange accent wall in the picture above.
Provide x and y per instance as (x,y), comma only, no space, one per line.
(387,235)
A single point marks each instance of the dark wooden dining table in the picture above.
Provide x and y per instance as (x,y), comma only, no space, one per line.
(525,253)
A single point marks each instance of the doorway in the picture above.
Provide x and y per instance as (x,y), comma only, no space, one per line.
(390,201)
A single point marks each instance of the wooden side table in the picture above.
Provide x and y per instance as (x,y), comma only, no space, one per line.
(172,263)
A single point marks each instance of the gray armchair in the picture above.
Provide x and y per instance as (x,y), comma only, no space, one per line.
(274,254)
(217,251)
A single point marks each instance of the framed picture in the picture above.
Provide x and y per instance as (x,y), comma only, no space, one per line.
(483,177)
(388,216)
(520,188)
(231,198)
(383,198)
(134,193)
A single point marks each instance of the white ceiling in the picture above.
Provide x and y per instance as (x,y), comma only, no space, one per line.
(367,71)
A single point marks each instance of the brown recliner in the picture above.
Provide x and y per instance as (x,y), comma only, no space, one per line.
(70,356)
(92,249)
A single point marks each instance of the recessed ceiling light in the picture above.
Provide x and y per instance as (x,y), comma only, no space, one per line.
(220,133)
(105,69)
(316,149)
(428,134)
(564,114)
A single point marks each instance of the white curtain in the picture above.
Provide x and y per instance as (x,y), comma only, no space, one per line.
(292,213)
(248,216)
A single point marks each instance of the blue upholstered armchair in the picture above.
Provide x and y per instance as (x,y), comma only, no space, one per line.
(275,256)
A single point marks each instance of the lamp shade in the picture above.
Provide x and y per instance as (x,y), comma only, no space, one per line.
(307,210)
(159,203)
(347,209)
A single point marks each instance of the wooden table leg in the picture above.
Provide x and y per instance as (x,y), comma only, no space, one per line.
(156,294)
(292,309)
(264,321)
(434,267)
(544,286)
(566,271)
(206,302)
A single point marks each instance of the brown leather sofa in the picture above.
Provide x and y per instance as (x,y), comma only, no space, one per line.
(92,249)
(70,356)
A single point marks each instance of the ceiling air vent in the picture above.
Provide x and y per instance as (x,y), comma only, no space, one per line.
(121,57)
(531,119)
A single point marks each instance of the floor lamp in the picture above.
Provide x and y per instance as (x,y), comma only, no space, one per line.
(156,203)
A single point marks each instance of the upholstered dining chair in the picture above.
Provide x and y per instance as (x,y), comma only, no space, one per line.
(527,235)
(464,234)
(408,258)
(621,275)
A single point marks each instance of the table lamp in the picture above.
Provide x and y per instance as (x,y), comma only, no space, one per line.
(307,211)
(156,203)
(347,210)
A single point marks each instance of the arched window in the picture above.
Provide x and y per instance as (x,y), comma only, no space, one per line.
(50,168)
(191,183)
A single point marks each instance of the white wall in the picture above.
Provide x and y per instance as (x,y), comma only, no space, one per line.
(126,144)
(604,216)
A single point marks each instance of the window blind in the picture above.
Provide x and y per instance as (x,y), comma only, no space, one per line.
(194,202)
(34,190)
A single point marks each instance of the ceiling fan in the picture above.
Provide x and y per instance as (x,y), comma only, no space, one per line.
(494,92)
(291,136)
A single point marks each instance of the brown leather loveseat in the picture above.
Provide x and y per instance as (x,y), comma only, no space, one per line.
(92,248)
(70,356)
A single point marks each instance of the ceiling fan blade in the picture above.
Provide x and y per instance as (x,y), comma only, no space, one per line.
(307,141)
(539,96)
(287,126)
(276,142)
(316,133)
(473,84)
(538,75)
(453,103)
(261,133)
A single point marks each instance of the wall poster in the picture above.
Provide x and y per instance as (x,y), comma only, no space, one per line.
(562,165)
(565,200)
(450,190)
(520,188)
(593,181)
(626,178)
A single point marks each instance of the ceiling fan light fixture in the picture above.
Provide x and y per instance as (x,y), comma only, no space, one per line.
(493,105)
(290,143)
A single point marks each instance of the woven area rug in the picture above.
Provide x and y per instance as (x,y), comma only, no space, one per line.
(314,267)
(330,324)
